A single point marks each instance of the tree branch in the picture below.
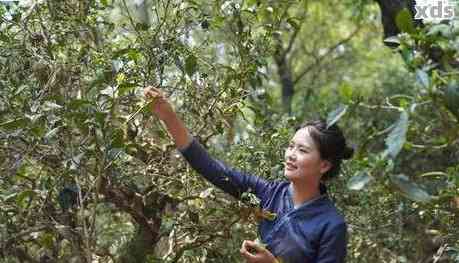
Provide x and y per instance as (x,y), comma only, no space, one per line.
(329,50)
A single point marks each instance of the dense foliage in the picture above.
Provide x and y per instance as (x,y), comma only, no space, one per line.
(87,174)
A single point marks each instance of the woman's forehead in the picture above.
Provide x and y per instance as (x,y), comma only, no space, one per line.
(303,137)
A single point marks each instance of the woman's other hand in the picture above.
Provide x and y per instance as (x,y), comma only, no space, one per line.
(160,106)
(260,255)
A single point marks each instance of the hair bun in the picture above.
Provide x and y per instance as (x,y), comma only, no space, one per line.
(348,153)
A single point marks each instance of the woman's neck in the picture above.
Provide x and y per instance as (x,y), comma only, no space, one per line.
(304,192)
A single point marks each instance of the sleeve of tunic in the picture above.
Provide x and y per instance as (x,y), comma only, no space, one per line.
(332,248)
(231,181)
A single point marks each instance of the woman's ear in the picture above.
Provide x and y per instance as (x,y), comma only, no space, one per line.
(325,166)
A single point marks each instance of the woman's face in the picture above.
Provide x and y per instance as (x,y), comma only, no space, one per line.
(302,158)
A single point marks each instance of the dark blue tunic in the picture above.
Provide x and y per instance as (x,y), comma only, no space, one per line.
(312,232)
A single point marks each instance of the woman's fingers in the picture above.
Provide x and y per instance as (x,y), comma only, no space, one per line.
(246,245)
(159,104)
(248,257)
(243,247)
(253,245)
(152,92)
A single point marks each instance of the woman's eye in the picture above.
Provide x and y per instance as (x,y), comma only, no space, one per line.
(303,150)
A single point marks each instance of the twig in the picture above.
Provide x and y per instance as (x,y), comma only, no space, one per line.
(330,49)
(139,110)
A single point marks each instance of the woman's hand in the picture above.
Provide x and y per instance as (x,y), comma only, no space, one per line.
(160,106)
(261,255)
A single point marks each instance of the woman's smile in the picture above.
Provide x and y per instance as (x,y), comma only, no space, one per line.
(290,166)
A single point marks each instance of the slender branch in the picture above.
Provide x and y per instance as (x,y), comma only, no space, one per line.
(23,256)
(132,22)
(293,37)
(329,50)
(25,233)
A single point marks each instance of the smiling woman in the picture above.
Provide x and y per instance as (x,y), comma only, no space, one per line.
(313,156)
(308,227)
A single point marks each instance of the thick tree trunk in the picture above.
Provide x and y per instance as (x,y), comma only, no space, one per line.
(285,75)
(146,210)
(389,11)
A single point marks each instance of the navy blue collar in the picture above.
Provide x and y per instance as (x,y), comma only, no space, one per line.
(306,203)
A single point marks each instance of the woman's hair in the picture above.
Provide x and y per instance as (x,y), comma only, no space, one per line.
(331,144)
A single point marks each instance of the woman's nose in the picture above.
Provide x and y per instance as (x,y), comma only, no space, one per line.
(290,155)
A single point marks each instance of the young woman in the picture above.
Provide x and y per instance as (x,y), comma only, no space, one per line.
(308,227)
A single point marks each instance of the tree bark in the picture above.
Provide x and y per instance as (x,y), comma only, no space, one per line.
(146,210)
(285,72)
(285,75)
(389,11)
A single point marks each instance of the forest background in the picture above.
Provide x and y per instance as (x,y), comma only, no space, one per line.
(87,174)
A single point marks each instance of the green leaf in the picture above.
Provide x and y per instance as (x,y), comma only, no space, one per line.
(440,29)
(206,193)
(51,133)
(4,37)
(392,40)
(117,65)
(110,91)
(142,26)
(68,197)
(422,78)
(452,98)
(50,106)
(23,195)
(33,117)
(77,103)
(407,54)
(335,115)
(293,22)
(75,161)
(410,189)
(359,181)
(167,224)
(218,22)
(13,124)
(250,199)
(268,215)
(397,137)
(115,153)
(118,138)
(124,51)
(101,77)
(134,54)
(346,91)
(46,240)
(10,197)
(99,118)
(126,87)
(191,65)
(251,2)
(404,21)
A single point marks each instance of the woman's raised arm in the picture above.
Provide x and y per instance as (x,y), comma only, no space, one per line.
(161,107)
(229,180)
